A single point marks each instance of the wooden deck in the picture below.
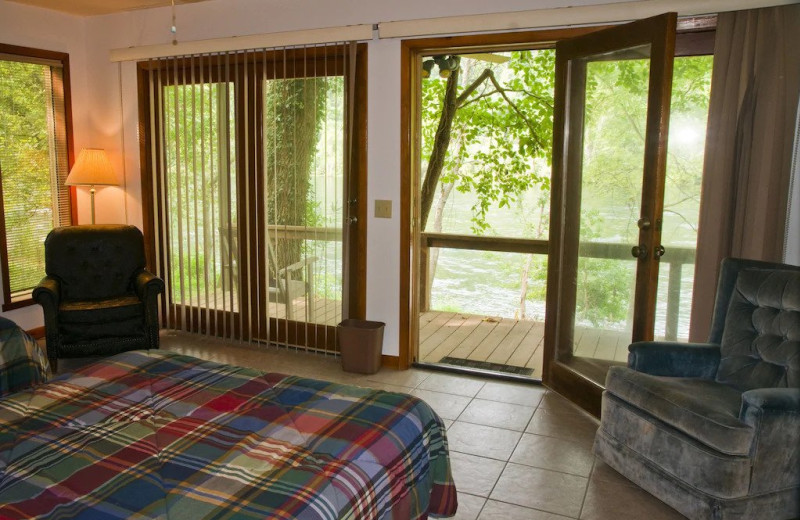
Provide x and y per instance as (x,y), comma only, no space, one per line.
(505,341)
(324,311)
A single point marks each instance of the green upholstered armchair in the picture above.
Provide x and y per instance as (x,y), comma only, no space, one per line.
(97,297)
(713,429)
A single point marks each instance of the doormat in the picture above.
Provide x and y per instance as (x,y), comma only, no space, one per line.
(484,365)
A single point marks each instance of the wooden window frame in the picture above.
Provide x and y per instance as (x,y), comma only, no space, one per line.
(32,54)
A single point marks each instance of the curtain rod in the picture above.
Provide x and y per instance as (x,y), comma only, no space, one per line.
(562,16)
(239,43)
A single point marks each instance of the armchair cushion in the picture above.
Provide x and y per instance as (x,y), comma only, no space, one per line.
(700,408)
(762,331)
(90,266)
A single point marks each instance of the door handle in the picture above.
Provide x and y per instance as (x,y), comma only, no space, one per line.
(659,251)
(639,251)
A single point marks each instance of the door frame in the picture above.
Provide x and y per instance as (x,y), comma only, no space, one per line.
(583,383)
(411,53)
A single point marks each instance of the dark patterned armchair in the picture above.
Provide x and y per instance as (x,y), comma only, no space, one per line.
(713,429)
(97,297)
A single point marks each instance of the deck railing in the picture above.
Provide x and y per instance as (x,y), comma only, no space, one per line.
(675,257)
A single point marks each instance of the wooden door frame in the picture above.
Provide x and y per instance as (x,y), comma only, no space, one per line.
(582,381)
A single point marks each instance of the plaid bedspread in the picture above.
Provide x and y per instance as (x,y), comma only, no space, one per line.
(161,435)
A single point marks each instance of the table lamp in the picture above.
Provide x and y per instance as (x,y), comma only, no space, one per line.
(92,169)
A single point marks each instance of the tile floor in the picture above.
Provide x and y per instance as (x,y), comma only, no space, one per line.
(518,452)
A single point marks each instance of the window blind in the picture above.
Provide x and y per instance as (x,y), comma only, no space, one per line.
(33,166)
(248,160)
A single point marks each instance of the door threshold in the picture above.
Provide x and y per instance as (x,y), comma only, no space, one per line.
(471,371)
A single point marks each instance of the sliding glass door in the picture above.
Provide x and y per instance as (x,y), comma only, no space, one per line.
(256,185)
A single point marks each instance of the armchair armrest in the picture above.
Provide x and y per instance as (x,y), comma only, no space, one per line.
(146,284)
(660,358)
(775,400)
(47,293)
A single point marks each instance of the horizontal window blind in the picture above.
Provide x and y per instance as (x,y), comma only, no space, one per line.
(33,166)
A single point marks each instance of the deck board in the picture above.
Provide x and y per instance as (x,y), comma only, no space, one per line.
(508,341)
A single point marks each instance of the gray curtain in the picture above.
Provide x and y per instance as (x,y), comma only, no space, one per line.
(754,93)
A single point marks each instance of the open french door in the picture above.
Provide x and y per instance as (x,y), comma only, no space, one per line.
(605,241)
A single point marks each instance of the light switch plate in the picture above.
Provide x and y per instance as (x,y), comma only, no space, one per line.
(383,209)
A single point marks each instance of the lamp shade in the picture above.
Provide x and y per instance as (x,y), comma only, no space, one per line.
(92,169)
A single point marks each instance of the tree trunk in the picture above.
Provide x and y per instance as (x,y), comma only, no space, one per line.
(433,259)
(291,123)
(441,143)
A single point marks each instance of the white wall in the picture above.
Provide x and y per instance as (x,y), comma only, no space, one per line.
(104,118)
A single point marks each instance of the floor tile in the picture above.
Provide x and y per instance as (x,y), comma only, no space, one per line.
(554,454)
(607,500)
(576,427)
(447,406)
(500,415)
(514,393)
(484,441)
(475,475)
(602,471)
(469,507)
(549,491)
(452,384)
(409,378)
(494,510)
(558,404)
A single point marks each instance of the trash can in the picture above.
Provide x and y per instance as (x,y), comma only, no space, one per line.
(360,345)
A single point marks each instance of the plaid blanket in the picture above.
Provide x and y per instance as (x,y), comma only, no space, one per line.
(161,435)
(22,362)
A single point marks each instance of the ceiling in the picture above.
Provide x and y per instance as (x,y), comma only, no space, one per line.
(97,7)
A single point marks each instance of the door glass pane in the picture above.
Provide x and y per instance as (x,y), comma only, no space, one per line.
(201,194)
(691,86)
(304,183)
(613,149)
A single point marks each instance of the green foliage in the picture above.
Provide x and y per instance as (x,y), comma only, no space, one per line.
(25,163)
(499,129)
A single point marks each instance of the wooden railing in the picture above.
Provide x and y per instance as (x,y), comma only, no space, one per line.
(675,257)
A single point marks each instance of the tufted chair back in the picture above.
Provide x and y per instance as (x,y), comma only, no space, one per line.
(94,261)
(760,345)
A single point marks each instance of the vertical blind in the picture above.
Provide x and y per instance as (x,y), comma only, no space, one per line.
(248,157)
(33,165)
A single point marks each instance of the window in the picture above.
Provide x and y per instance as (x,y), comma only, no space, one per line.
(35,147)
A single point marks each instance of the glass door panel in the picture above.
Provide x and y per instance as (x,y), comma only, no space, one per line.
(613,150)
(609,154)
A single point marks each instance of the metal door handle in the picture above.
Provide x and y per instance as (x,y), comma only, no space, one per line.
(659,251)
(639,251)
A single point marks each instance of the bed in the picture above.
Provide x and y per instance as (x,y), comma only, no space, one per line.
(155,434)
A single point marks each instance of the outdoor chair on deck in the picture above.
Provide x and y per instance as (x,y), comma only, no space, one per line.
(713,429)
(286,284)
